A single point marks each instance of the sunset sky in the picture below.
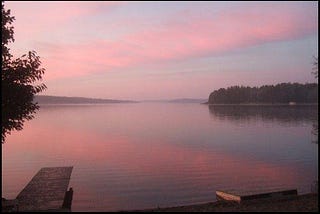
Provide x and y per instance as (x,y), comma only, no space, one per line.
(166,50)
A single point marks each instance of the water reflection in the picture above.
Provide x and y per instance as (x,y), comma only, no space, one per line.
(147,155)
(280,113)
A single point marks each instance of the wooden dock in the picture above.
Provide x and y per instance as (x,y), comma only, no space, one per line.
(248,196)
(47,191)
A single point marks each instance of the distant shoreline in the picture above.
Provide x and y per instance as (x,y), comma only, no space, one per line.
(58,100)
(82,104)
(261,104)
(53,100)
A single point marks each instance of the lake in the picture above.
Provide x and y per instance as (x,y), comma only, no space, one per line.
(147,155)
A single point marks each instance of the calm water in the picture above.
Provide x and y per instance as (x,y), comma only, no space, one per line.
(135,156)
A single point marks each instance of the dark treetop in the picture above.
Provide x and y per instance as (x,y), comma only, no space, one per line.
(280,93)
(17,81)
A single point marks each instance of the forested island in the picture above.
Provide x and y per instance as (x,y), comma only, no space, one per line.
(271,94)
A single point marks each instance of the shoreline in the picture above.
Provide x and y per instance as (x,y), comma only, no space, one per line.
(260,104)
(300,203)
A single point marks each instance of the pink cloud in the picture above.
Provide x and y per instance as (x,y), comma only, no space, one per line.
(35,18)
(192,36)
(58,11)
(185,36)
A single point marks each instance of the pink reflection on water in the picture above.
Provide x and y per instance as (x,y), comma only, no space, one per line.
(87,149)
(126,169)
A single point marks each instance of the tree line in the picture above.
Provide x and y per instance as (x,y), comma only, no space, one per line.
(280,93)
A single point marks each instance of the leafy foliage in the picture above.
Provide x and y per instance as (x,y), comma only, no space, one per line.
(17,79)
(315,66)
(280,93)
(6,33)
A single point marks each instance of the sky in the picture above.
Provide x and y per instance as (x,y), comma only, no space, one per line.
(165,50)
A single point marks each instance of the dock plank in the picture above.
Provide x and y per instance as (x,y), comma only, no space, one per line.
(253,195)
(46,190)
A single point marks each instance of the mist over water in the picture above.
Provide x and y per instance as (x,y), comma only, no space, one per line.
(145,155)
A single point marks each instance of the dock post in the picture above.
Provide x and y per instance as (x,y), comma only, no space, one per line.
(68,199)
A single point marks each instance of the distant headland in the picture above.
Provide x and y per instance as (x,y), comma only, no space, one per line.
(45,99)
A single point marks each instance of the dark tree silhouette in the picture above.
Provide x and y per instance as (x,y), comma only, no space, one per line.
(315,67)
(315,125)
(280,93)
(18,77)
